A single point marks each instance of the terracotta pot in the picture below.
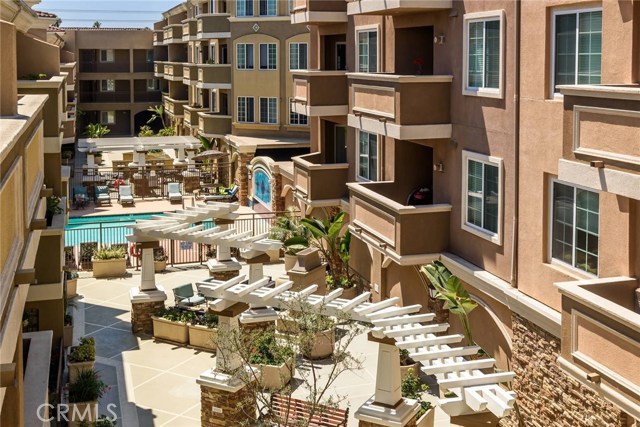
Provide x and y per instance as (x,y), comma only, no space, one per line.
(290,261)
(72,288)
(109,267)
(77,367)
(164,329)
(82,412)
(275,377)
(203,337)
(427,419)
(67,335)
(323,345)
(405,369)
(159,266)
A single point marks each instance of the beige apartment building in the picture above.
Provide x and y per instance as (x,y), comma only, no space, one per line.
(228,65)
(501,138)
(37,114)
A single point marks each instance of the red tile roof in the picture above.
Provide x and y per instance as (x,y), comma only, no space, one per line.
(45,14)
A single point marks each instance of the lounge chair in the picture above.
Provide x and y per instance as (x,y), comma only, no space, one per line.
(173,188)
(124,195)
(230,196)
(184,296)
(102,195)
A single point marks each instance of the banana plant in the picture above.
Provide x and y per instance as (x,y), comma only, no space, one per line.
(96,130)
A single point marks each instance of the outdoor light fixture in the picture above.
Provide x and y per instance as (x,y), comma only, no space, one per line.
(438,167)
(439,39)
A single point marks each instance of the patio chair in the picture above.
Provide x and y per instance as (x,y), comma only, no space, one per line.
(185,297)
(173,188)
(231,195)
(102,195)
(124,195)
(80,196)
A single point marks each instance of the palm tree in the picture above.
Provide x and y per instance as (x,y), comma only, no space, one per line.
(325,235)
(97,24)
(96,130)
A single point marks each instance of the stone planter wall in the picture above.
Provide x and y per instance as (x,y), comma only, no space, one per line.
(76,368)
(233,406)
(176,332)
(427,419)
(141,313)
(275,377)
(103,268)
(203,337)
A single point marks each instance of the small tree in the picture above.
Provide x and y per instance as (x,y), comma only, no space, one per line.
(326,236)
(97,24)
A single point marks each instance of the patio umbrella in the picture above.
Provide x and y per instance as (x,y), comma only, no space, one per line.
(210,155)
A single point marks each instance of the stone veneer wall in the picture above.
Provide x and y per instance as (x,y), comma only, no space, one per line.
(224,275)
(546,395)
(141,313)
(236,407)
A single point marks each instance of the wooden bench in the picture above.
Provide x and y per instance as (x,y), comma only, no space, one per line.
(294,412)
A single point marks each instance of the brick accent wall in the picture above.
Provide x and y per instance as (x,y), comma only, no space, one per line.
(236,407)
(546,395)
(141,313)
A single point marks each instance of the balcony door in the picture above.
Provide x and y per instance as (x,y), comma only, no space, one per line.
(341,56)
(340,144)
(223,54)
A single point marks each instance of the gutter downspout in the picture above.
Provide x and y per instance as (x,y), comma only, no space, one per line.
(516,143)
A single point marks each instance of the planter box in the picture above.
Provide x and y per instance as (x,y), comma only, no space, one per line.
(404,370)
(289,261)
(275,377)
(176,332)
(67,335)
(72,288)
(323,345)
(159,266)
(427,419)
(202,337)
(77,367)
(109,267)
(82,412)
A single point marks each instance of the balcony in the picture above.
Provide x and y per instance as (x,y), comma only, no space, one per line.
(318,183)
(54,112)
(147,96)
(69,129)
(401,107)
(158,69)
(189,29)
(120,96)
(173,71)
(214,76)
(380,217)
(320,93)
(190,74)
(601,338)
(158,37)
(172,34)
(317,12)
(213,26)
(104,67)
(214,125)
(174,107)
(191,117)
(395,7)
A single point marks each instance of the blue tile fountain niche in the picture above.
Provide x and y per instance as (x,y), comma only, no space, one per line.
(262,187)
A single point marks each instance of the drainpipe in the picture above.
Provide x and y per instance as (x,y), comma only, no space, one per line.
(516,143)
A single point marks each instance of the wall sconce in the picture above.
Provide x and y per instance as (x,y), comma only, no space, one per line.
(438,167)
(439,39)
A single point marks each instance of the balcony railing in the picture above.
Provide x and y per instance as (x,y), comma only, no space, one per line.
(213,26)
(214,125)
(381,218)
(104,67)
(319,12)
(189,29)
(320,93)
(173,71)
(115,96)
(174,107)
(395,7)
(143,67)
(399,106)
(148,96)
(601,338)
(214,76)
(190,74)
(191,117)
(172,34)
(158,69)
(158,37)
(319,183)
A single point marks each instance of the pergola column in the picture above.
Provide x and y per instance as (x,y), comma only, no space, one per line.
(224,266)
(134,160)
(181,159)
(148,298)
(191,152)
(242,177)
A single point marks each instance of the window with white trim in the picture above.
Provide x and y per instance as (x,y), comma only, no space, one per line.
(367,156)
(107,85)
(483,54)
(244,56)
(575,226)
(268,8)
(106,55)
(244,8)
(482,195)
(107,117)
(268,56)
(153,84)
(298,54)
(245,109)
(296,119)
(577,39)
(367,50)
(269,110)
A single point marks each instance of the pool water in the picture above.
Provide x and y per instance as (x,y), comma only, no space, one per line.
(78,222)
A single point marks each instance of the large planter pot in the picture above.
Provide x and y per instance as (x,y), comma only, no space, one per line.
(82,412)
(164,329)
(427,419)
(67,335)
(275,377)
(109,267)
(290,261)
(72,288)
(405,369)
(159,266)
(202,337)
(77,367)
(324,343)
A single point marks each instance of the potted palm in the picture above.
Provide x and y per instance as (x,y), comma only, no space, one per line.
(109,262)
(407,364)
(275,363)
(170,324)
(317,335)
(72,283)
(81,357)
(84,392)
(159,259)
(293,235)
(203,331)
(412,389)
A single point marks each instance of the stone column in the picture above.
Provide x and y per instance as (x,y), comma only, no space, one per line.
(242,177)
(134,160)
(148,298)
(142,161)
(180,160)
(277,201)
(191,152)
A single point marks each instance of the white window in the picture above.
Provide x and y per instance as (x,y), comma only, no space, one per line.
(268,56)
(268,7)
(367,50)
(368,156)
(483,54)
(244,8)
(269,110)
(577,41)
(153,84)
(107,85)
(107,117)
(298,56)
(296,119)
(245,109)
(244,56)
(482,195)
(575,226)
(106,55)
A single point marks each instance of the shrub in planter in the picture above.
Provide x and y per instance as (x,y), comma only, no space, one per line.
(85,391)
(203,331)
(293,235)
(274,361)
(348,286)
(170,324)
(317,335)
(159,259)
(407,364)
(81,357)
(109,262)
(412,389)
